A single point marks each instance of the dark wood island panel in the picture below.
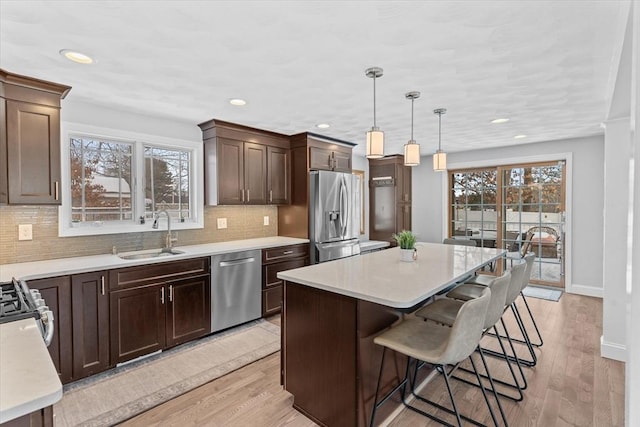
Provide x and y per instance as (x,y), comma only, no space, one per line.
(330,363)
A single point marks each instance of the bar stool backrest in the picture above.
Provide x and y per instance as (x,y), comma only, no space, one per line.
(466,330)
(528,259)
(515,285)
(499,287)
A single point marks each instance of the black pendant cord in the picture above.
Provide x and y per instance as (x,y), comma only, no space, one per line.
(412,99)
(374,100)
(439,132)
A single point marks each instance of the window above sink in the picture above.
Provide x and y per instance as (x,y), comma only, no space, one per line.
(113,181)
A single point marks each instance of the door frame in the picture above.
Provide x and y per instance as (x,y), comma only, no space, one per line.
(551,157)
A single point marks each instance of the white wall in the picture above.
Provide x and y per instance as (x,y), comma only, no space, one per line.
(587,200)
(632,370)
(100,116)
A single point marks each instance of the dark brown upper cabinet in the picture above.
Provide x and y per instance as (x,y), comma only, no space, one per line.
(244,165)
(279,175)
(328,159)
(29,140)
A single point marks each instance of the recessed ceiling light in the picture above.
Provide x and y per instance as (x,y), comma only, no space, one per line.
(519,136)
(237,101)
(497,121)
(75,56)
(323,125)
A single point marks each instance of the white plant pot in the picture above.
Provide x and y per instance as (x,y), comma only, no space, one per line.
(407,255)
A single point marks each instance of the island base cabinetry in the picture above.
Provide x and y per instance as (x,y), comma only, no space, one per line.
(39,418)
(329,361)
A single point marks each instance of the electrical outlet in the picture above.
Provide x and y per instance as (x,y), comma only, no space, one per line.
(222,223)
(25,232)
(266,220)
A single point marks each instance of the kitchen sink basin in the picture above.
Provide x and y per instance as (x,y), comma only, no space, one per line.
(150,253)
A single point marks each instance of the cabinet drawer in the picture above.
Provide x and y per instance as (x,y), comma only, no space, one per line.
(270,271)
(129,277)
(284,252)
(271,301)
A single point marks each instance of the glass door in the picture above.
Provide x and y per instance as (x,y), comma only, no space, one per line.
(533,218)
(517,207)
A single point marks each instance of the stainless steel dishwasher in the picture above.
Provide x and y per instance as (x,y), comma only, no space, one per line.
(236,288)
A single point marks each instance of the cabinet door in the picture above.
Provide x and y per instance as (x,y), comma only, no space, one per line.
(341,162)
(320,158)
(255,174)
(404,183)
(188,309)
(278,175)
(33,153)
(57,295)
(270,271)
(403,216)
(137,322)
(90,316)
(271,301)
(230,171)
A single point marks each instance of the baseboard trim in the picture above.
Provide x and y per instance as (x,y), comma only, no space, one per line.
(612,350)
(589,291)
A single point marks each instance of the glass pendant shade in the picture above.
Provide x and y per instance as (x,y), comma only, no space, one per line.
(440,161)
(375,143)
(411,153)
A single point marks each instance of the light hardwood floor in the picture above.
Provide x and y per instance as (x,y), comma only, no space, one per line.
(571,385)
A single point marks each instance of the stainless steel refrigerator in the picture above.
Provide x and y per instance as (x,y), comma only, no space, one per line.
(334,215)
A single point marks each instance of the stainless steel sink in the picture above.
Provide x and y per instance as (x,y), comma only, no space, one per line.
(150,253)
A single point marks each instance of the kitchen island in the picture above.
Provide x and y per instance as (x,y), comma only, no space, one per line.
(333,311)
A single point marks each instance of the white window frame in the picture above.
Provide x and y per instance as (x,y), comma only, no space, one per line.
(68,229)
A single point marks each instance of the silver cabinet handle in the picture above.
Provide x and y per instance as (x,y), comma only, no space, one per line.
(162,294)
(287,252)
(248,196)
(170,293)
(102,284)
(270,196)
(56,190)
(242,195)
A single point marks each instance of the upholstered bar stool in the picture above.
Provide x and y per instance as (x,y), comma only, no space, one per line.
(519,274)
(444,311)
(437,345)
(525,282)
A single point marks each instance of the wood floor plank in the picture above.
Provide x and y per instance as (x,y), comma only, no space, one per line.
(571,385)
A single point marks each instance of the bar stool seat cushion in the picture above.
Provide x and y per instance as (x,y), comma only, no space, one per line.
(481,279)
(443,311)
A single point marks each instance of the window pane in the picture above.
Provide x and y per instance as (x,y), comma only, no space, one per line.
(167,184)
(100,180)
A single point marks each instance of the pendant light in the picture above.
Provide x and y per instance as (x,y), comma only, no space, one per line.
(440,157)
(375,137)
(411,148)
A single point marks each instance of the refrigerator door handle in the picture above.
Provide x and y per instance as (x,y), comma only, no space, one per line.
(344,200)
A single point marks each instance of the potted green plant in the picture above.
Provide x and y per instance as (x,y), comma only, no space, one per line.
(407,242)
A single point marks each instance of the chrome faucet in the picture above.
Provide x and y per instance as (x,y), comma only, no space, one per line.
(168,241)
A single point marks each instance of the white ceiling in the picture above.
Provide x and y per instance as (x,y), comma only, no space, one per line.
(546,65)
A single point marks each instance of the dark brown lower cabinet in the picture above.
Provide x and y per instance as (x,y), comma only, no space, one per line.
(137,322)
(56,292)
(330,363)
(275,260)
(40,418)
(155,316)
(189,309)
(90,319)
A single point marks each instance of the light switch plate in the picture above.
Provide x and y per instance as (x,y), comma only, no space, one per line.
(25,232)
(266,220)
(222,223)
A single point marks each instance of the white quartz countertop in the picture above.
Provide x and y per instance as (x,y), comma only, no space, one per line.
(29,380)
(64,266)
(381,277)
